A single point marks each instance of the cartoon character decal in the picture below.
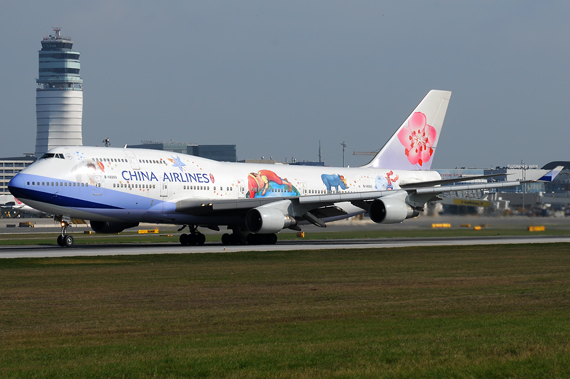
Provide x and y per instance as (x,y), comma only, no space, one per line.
(387,182)
(266,183)
(418,138)
(89,171)
(334,181)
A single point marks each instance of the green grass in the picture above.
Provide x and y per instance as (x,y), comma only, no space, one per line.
(436,312)
(173,235)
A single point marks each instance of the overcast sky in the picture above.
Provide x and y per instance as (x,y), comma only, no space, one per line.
(275,77)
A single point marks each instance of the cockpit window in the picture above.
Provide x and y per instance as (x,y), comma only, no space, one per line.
(52,155)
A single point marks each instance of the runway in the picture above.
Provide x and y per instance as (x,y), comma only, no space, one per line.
(212,248)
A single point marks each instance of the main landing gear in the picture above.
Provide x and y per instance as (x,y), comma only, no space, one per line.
(194,238)
(64,240)
(239,236)
(242,237)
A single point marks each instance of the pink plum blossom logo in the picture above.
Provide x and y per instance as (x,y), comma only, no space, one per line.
(418,138)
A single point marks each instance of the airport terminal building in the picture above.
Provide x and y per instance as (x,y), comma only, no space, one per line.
(9,167)
(221,153)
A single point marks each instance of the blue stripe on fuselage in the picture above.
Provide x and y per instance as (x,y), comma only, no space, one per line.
(74,197)
(24,193)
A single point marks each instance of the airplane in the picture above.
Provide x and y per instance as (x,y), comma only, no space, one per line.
(118,188)
(19,207)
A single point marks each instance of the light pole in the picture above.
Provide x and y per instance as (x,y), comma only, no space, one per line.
(343,147)
(523,168)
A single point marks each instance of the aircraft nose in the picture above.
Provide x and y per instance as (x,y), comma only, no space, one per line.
(17,185)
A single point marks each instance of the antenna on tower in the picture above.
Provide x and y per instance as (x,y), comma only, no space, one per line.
(319,151)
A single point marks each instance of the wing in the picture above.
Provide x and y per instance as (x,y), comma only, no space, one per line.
(318,208)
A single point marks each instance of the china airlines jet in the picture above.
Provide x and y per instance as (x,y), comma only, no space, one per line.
(119,188)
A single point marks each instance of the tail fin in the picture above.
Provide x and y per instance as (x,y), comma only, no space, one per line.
(552,174)
(413,145)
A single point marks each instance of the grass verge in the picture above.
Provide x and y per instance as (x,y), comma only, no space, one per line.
(464,312)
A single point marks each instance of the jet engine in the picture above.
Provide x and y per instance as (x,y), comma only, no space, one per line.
(390,211)
(266,220)
(111,226)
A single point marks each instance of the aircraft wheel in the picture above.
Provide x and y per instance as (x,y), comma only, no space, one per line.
(68,240)
(200,239)
(184,240)
(226,239)
(271,239)
(252,239)
(192,239)
(60,240)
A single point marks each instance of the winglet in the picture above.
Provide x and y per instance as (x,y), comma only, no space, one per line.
(413,145)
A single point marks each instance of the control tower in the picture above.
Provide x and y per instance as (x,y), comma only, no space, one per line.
(59,96)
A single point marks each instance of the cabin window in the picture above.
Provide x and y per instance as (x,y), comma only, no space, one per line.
(52,155)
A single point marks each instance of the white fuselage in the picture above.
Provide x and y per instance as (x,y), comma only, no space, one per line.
(138,185)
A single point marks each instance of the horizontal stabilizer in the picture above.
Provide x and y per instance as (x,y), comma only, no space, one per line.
(448,181)
(466,187)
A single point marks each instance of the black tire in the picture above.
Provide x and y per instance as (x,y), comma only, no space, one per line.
(60,240)
(226,239)
(200,239)
(271,239)
(68,240)
(252,239)
(184,240)
(192,240)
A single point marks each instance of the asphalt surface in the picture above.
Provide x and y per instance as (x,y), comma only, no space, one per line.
(128,249)
(49,227)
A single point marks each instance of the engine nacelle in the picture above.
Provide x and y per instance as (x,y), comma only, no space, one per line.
(111,226)
(266,220)
(390,211)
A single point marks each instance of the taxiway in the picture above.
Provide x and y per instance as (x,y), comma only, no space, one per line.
(381,243)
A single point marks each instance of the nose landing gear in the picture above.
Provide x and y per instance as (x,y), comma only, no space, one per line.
(65,240)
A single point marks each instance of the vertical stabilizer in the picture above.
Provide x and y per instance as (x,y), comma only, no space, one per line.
(548,177)
(413,145)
